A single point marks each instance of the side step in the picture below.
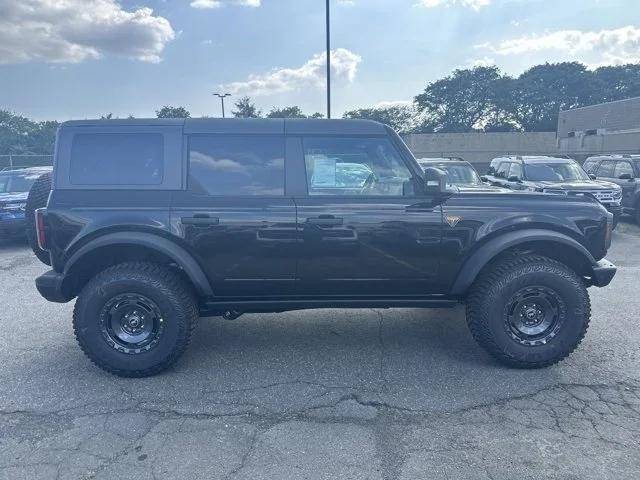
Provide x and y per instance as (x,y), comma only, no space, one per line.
(235,307)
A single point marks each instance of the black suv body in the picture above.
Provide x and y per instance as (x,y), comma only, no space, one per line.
(152,223)
(14,189)
(561,176)
(624,171)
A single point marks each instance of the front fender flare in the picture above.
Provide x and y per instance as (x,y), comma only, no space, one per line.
(154,242)
(476,262)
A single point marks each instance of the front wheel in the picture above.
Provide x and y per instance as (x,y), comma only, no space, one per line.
(135,319)
(528,311)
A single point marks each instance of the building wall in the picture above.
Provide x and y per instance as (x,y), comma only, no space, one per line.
(480,148)
(622,115)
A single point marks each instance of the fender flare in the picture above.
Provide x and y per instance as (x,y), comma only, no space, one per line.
(476,262)
(154,242)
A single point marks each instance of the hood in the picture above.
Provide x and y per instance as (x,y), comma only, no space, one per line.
(482,188)
(579,185)
(13,197)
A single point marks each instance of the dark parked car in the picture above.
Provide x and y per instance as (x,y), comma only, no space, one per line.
(460,174)
(561,176)
(14,189)
(623,170)
(153,223)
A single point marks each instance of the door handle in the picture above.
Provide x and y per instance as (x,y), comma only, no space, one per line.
(325,220)
(200,219)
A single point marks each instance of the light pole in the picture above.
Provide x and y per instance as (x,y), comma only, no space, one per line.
(328,59)
(222,96)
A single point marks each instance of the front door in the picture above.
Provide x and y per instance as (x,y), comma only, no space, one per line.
(362,231)
(235,216)
(628,185)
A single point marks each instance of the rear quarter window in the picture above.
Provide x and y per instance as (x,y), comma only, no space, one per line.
(117,159)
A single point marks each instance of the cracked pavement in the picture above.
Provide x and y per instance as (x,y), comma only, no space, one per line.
(327,394)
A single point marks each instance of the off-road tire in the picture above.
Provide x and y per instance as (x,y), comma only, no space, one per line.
(38,196)
(174,299)
(489,300)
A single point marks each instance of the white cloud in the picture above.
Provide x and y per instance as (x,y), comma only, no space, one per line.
(219,3)
(344,65)
(606,47)
(69,31)
(482,62)
(473,4)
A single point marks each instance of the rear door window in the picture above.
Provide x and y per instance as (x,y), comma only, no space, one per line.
(117,159)
(623,168)
(236,165)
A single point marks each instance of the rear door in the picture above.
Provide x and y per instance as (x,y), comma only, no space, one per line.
(361,235)
(628,185)
(235,214)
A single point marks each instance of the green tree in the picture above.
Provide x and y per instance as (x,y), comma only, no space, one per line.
(173,112)
(245,108)
(19,135)
(401,118)
(286,112)
(615,83)
(538,95)
(464,101)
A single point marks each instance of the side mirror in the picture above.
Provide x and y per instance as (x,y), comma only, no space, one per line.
(514,178)
(435,181)
(625,176)
(483,178)
(592,176)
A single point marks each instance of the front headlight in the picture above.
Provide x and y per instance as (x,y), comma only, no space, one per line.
(15,206)
(617,194)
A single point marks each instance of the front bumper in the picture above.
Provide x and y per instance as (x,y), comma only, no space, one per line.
(615,209)
(603,273)
(50,285)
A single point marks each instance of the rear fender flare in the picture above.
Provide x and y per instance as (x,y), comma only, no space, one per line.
(154,242)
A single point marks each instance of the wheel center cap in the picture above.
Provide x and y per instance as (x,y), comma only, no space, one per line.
(531,313)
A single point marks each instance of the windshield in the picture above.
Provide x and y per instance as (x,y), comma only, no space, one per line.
(554,172)
(16,183)
(460,174)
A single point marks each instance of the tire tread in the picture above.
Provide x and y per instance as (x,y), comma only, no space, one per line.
(161,277)
(485,287)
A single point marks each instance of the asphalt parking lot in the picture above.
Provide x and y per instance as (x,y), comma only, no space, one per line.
(376,394)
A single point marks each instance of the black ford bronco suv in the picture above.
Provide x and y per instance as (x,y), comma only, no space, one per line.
(154,223)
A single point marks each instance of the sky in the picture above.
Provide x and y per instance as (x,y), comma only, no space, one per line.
(74,59)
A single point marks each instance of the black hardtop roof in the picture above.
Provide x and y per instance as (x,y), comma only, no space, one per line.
(25,170)
(533,159)
(444,161)
(292,126)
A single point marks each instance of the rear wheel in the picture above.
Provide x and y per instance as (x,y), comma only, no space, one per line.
(135,319)
(528,311)
(38,196)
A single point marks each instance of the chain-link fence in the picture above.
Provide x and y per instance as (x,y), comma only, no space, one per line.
(17,161)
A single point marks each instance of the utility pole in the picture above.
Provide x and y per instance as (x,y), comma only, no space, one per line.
(328,59)
(222,96)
